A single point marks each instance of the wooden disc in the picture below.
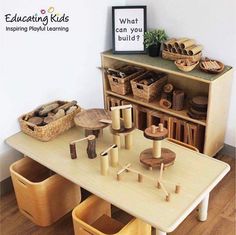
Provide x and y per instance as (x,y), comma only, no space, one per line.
(158,135)
(90,119)
(167,158)
(122,129)
(200,101)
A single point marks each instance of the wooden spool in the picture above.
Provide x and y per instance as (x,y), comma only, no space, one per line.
(154,157)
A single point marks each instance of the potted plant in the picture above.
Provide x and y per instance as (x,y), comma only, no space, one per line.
(153,40)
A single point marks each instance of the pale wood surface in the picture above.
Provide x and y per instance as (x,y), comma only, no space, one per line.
(221,217)
(141,200)
(217,113)
(90,119)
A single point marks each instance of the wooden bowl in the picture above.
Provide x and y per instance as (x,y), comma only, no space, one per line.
(186,68)
(211,70)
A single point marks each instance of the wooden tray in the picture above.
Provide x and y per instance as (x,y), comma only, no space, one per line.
(212,71)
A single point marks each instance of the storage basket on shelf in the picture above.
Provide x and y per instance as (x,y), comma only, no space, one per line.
(175,56)
(47,131)
(42,196)
(148,86)
(119,79)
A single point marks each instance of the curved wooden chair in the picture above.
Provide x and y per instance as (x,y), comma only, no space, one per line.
(183,144)
(93,217)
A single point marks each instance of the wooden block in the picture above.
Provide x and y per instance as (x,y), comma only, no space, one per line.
(177,188)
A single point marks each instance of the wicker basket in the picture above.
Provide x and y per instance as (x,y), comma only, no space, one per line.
(174,56)
(147,92)
(186,68)
(122,85)
(52,129)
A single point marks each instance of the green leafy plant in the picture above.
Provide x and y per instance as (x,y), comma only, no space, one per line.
(154,37)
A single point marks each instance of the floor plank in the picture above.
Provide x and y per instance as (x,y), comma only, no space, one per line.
(221,215)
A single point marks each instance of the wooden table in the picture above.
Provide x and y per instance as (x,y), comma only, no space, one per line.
(196,173)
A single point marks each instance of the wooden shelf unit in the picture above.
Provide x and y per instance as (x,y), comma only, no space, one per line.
(215,86)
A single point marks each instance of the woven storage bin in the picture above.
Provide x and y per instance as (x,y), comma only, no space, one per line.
(174,56)
(122,85)
(52,129)
(147,92)
(93,217)
(42,197)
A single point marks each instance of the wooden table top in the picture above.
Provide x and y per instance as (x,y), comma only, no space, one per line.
(90,119)
(196,173)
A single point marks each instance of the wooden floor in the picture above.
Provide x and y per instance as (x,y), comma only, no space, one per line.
(221,216)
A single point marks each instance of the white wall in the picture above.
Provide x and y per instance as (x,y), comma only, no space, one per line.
(39,67)
(212,23)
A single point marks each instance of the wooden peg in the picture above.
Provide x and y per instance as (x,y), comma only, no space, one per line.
(73,153)
(177,188)
(153,129)
(168,197)
(108,149)
(161,128)
(161,171)
(140,178)
(106,121)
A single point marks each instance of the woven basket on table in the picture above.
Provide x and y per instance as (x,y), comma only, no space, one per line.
(147,92)
(122,85)
(52,129)
(174,56)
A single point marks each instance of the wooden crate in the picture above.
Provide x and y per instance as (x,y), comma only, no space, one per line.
(100,222)
(122,85)
(147,92)
(43,197)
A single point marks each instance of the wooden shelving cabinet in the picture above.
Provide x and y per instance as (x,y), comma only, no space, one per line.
(215,86)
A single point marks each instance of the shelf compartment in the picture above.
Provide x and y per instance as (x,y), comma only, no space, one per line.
(155,105)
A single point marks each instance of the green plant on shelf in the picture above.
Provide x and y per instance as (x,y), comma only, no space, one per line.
(154,37)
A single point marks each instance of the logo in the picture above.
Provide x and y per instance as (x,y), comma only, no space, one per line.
(44,20)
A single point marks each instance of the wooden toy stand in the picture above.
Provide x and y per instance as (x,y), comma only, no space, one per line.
(91,147)
(124,127)
(155,156)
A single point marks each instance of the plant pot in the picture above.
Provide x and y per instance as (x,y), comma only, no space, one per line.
(154,50)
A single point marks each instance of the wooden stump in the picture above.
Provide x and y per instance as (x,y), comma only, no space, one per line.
(91,149)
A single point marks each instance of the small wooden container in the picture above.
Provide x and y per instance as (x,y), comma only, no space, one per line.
(186,68)
(52,129)
(42,197)
(93,216)
(147,92)
(122,85)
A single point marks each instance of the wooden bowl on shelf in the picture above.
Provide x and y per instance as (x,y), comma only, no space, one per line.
(211,66)
(186,65)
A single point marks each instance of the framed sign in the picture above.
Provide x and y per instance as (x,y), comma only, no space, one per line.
(128,26)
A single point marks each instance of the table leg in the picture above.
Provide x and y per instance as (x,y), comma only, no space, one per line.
(158,232)
(203,208)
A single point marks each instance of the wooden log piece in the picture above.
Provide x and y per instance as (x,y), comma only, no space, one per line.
(73,153)
(168,88)
(71,109)
(48,119)
(44,110)
(164,103)
(59,114)
(65,106)
(178,100)
(36,120)
(91,148)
